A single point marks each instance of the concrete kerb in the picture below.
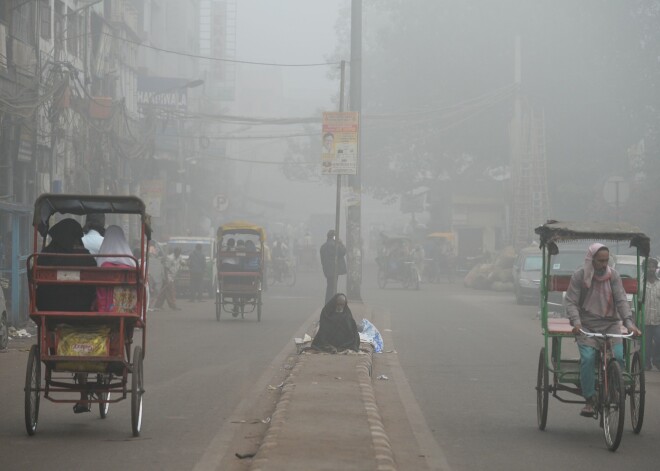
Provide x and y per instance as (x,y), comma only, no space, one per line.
(384,456)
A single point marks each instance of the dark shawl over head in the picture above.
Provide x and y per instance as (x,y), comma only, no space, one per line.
(66,238)
(337,330)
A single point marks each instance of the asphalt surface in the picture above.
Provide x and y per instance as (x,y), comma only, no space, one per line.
(457,393)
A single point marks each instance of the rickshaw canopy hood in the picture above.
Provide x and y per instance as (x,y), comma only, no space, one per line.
(242,227)
(561,231)
(48,204)
(441,235)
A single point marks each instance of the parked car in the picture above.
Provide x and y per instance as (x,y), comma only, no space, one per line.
(4,322)
(187,245)
(527,275)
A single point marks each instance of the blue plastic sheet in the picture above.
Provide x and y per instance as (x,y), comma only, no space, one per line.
(369,333)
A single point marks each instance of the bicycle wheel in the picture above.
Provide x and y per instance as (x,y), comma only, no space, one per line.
(382,278)
(614,406)
(637,393)
(542,380)
(104,406)
(259,307)
(416,277)
(32,390)
(137,389)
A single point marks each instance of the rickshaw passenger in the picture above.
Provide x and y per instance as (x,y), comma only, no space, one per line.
(229,263)
(251,261)
(109,298)
(596,300)
(66,238)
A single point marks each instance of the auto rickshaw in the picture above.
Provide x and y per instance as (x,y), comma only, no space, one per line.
(240,267)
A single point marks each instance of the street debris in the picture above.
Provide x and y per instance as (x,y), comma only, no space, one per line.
(383,377)
(22,333)
(242,456)
(279,386)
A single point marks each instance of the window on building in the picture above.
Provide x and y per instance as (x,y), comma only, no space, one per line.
(23,21)
(59,25)
(71,32)
(45,12)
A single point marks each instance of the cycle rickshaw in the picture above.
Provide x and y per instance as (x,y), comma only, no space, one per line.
(240,268)
(558,373)
(395,262)
(87,353)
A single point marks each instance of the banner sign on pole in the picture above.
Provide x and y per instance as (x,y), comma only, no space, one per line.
(339,146)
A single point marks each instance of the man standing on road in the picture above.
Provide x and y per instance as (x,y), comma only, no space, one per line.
(171,265)
(596,302)
(333,261)
(197,267)
(652,315)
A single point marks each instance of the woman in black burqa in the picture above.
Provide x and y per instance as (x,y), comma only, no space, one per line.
(66,238)
(337,328)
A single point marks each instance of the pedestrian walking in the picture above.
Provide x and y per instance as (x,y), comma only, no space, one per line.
(197,267)
(171,265)
(333,261)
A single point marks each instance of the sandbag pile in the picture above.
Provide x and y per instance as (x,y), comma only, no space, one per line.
(494,275)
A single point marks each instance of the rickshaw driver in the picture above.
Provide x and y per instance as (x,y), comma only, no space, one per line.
(596,300)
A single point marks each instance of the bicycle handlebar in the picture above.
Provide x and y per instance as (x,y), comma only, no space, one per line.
(603,336)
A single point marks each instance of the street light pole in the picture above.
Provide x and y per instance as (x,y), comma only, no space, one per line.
(354,211)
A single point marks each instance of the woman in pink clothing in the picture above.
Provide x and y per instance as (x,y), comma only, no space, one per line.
(115,252)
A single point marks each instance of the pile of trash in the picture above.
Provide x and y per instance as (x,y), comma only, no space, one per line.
(495,274)
(18,333)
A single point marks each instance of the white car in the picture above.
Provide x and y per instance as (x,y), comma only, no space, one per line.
(626,266)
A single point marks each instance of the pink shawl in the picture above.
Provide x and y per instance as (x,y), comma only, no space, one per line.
(599,299)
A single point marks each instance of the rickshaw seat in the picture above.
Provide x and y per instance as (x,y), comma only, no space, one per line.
(559,282)
(559,326)
(630,285)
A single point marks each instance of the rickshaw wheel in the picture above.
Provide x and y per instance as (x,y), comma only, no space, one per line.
(416,278)
(542,380)
(218,306)
(382,278)
(259,307)
(614,406)
(104,407)
(136,391)
(637,393)
(32,390)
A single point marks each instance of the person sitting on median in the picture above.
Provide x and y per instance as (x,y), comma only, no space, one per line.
(337,328)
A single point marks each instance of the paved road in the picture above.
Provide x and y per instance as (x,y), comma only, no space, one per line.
(465,367)
(203,379)
(470,358)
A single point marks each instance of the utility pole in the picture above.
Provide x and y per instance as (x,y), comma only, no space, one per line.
(354,211)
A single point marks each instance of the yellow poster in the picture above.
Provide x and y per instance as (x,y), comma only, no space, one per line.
(339,144)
